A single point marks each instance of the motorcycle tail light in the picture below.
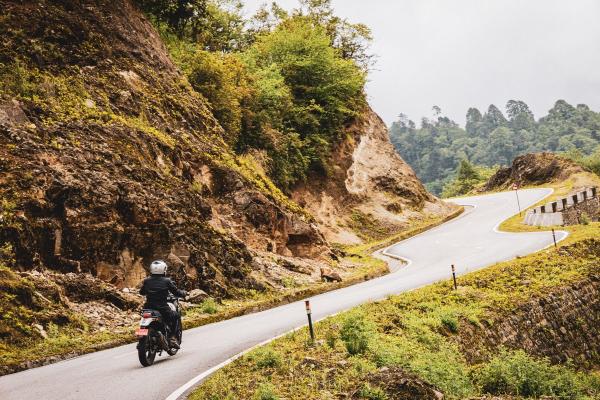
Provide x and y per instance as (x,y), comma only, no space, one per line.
(147,315)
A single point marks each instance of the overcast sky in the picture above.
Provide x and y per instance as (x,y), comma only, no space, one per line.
(462,53)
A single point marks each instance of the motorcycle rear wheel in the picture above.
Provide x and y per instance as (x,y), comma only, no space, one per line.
(146,351)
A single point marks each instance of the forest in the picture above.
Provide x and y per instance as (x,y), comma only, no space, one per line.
(444,155)
(281,84)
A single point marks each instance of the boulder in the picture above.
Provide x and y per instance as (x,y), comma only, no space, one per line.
(329,275)
(197,296)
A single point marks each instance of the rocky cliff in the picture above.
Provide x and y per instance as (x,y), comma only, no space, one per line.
(371,192)
(533,169)
(109,159)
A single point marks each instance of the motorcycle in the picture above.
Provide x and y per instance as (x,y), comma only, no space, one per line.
(153,333)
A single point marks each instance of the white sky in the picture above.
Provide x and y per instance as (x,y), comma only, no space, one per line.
(462,53)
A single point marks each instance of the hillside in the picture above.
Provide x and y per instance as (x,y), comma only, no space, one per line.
(113,154)
(493,139)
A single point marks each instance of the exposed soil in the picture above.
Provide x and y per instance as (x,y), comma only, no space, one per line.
(372,192)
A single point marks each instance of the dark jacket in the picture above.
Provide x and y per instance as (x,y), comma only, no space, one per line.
(156,288)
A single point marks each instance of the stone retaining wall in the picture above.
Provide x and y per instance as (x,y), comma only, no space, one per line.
(562,326)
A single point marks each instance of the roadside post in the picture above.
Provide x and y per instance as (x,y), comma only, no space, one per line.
(310,324)
(454,277)
(554,238)
(515,187)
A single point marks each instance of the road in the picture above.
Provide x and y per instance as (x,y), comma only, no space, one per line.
(470,242)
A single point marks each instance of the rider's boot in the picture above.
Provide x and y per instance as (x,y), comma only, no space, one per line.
(173,342)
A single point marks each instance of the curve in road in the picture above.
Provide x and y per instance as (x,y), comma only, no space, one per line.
(470,242)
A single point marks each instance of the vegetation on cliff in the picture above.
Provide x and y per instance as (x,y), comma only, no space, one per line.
(281,84)
(436,148)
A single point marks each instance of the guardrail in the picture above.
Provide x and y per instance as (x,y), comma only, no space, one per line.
(566,211)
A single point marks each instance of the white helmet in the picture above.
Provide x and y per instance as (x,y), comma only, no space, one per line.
(158,267)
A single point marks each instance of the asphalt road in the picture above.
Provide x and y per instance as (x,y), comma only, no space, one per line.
(470,242)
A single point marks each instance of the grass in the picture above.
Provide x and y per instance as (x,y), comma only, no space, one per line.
(415,331)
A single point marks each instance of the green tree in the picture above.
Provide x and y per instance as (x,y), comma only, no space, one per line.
(180,15)
(474,119)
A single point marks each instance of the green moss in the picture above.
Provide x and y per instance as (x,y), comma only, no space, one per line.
(63,99)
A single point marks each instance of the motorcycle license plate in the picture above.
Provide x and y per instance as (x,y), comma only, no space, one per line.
(141,332)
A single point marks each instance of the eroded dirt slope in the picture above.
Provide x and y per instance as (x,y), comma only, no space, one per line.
(371,192)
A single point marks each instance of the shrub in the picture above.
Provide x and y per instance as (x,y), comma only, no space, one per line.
(584,219)
(356,333)
(267,358)
(265,392)
(516,373)
(331,339)
(209,306)
(450,322)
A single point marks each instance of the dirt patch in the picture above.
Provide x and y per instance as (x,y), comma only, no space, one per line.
(400,385)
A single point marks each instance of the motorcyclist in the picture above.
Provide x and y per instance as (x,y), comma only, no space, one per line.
(156,288)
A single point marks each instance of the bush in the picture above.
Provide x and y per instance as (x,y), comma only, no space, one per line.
(209,306)
(356,333)
(267,358)
(265,392)
(584,219)
(450,322)
(516,373)
(331,339)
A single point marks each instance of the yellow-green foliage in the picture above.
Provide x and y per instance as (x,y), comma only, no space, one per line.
(63,98)
(413,331)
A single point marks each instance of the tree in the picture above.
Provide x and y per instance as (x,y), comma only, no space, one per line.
(180,15)
(501,148)
(352,40)
(474,119)
(519,115)
(492,119)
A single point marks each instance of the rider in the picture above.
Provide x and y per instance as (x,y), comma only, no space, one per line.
(156,288)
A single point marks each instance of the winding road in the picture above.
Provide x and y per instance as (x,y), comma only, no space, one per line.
(470,241)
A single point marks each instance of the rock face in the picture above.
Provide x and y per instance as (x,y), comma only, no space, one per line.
(370,179)
(108,159)
(533,169)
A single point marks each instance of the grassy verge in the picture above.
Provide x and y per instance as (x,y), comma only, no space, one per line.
(77,338)
(416,331)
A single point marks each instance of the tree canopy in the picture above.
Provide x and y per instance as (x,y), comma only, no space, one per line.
(436,149)
(280,84)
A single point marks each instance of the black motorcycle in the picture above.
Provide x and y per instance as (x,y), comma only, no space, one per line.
(153,334)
